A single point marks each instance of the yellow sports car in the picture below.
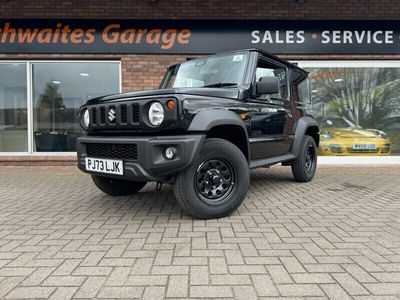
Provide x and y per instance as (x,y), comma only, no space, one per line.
(339,136)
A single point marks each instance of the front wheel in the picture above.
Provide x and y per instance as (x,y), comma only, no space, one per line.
(117,187)
(303,168)
(216,183)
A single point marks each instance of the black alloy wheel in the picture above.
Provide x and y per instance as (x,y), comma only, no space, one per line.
(215,180)
(216,183)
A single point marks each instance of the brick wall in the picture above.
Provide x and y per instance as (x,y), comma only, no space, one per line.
(145,71)
(198,9)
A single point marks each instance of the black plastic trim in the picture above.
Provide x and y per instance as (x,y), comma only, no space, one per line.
(151,165)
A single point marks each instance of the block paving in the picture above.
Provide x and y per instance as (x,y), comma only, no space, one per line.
(337,237)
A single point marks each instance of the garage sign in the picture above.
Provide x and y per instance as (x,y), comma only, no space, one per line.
(198,36)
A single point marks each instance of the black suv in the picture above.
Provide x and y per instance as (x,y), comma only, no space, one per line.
(210,122)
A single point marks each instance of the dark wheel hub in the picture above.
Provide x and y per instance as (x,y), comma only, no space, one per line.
(310,158)
(214,180)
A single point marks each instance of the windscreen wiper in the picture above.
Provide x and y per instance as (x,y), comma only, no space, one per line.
(220,84)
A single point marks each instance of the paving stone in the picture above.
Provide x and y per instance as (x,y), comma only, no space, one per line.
(199,275)
(229,279)
(245,292)
(64,281)
(279,274)
(300,290)
(264,286)
(210,291)
(120,292)
(143,280)
(177,286)
(154,293)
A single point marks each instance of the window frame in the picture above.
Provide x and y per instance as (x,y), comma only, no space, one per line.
(273,63)
(29,86)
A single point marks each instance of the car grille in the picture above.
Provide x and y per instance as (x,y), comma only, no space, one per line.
(115,115)
(118,151)
(351,150)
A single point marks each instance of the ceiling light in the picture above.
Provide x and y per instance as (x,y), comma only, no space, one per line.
(338,79)
(55,82)
(84,74)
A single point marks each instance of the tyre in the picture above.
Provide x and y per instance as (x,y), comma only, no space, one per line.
(117,187)
(216,183)
(304,166)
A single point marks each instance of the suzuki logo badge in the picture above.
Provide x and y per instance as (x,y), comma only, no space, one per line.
(111,115)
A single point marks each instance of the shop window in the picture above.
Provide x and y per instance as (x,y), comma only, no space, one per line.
(58,90)
(13,107)
(358,109)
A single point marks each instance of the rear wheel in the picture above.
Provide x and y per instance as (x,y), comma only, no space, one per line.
(117,187)
(304,166)
(216,183)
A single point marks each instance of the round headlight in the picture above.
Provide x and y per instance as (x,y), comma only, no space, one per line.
(156,114)
(381,134)
(85,118)
(326,134)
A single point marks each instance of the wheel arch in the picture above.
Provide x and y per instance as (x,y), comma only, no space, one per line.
(223,124)
(305,126)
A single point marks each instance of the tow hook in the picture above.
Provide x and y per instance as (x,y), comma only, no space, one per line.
(158,186)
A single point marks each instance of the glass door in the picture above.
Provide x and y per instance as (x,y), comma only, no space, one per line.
(58,90)
(13,107)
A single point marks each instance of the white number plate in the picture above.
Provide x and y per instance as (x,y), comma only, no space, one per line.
(364,146)
(109,166)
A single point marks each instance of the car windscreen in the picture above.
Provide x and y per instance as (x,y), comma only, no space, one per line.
(214,71)
(337,123)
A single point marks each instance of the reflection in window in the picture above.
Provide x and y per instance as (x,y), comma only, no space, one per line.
(59,89)
(13,108)
(227,69)
(366,98)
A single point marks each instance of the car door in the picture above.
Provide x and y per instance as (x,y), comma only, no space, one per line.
(269,132)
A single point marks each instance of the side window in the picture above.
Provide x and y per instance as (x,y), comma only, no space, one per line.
(304,93)
(265,68)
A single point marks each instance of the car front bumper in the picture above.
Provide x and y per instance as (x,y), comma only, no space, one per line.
(345,147)
(149,163)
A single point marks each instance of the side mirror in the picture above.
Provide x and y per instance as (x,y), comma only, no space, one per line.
(267,85)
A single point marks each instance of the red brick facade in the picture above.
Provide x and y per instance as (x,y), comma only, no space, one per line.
(197,9)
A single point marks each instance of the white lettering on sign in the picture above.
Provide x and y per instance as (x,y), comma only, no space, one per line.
(325,37)
(277,37)
(357,37)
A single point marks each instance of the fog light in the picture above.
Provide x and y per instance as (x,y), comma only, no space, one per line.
(170,153)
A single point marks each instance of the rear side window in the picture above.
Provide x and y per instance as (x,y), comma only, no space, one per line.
(304,91)
(305,94)
(265,68)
